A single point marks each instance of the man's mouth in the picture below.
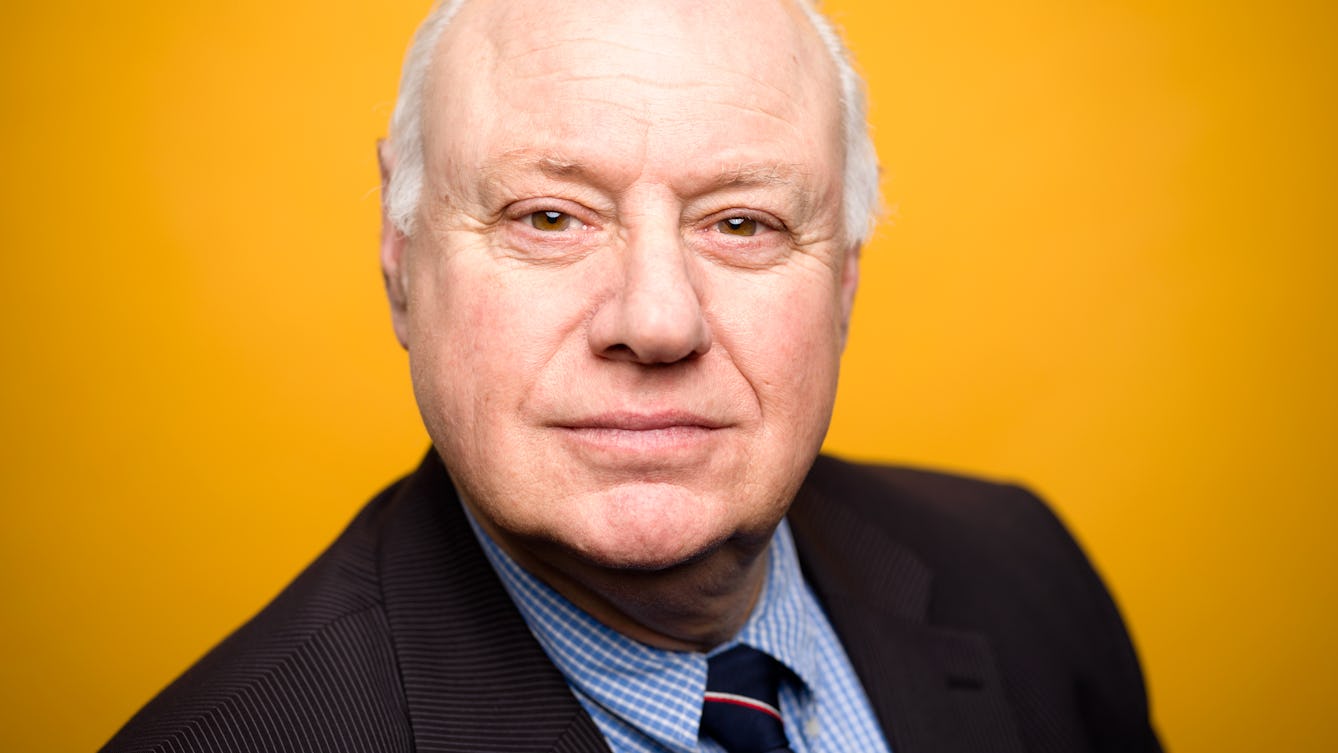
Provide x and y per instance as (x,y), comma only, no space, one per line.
(655,433)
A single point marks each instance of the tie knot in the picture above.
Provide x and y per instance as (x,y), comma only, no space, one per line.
(742,710)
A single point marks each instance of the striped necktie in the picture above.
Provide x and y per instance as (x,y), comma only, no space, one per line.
(741,710)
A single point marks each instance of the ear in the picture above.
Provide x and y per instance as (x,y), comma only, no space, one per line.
(393,247)
(849,282)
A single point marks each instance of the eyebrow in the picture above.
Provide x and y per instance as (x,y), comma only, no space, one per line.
(786,176)
(521,160)
(760,175)
(780,175)
(565,169)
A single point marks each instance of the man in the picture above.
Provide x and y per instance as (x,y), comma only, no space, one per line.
(621,247)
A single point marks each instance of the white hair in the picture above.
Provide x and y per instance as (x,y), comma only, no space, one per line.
(404,189)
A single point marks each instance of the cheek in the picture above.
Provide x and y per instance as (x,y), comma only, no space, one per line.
(519,321)
(787,346)
(784,339)
(483,335)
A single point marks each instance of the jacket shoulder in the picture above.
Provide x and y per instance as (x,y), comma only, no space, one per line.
(315,670)
(1001,565)
(957,525)
(895,493)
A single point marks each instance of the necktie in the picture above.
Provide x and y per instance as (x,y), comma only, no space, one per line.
(741,708)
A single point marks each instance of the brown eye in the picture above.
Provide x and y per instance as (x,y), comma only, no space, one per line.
(550,221)
(738,226)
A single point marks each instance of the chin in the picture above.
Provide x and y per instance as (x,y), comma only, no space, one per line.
(644,526)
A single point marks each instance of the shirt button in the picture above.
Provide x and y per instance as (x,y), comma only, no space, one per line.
(812,728)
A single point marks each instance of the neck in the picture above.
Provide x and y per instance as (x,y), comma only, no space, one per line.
(693,606)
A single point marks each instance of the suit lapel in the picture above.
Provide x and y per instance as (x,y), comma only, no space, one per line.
(933,689)
(475,680)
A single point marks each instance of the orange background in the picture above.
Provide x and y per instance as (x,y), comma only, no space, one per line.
(1108,274)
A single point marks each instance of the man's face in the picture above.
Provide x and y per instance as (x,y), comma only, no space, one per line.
(626,298)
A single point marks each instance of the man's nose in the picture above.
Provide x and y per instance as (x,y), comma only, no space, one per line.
(655,316)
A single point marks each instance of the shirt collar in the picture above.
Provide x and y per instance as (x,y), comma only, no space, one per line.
(780,624)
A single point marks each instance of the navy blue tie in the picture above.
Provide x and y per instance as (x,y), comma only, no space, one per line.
(741,711)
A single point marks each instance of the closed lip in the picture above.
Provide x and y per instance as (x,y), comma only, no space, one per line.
(632,421)
(621,438)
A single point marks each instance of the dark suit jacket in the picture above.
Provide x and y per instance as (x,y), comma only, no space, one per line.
(972,619)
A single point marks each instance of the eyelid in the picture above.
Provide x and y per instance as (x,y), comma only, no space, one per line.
(549,221)
(769,245)
(763,219)
(522,210)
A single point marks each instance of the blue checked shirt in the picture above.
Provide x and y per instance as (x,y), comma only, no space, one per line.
(649,700)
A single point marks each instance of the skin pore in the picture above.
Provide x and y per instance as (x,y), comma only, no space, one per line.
(627,296)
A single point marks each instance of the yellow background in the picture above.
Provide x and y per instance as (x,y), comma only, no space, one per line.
(1108,275)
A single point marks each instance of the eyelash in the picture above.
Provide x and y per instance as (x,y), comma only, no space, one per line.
(765,223)
(564,218)
(528,215)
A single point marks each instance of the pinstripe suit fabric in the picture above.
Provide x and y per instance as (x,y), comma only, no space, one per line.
(401,638)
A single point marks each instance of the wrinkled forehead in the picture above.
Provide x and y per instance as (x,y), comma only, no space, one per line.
(766,50)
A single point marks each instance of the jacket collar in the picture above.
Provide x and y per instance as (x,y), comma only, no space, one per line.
(933,688)
(474,678)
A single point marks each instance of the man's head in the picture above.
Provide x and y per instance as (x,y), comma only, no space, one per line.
(403,190)
(625,279)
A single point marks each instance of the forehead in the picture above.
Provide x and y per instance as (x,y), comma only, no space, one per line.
(730,78)
(721,34)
